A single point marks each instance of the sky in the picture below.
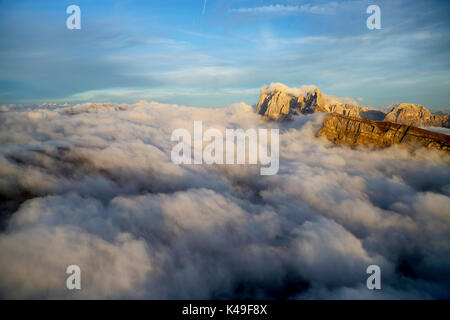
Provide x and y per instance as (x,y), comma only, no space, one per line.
(212,53)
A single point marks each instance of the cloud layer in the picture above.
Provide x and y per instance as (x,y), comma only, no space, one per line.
(93,185)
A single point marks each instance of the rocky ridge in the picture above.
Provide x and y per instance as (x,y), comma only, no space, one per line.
(353,131)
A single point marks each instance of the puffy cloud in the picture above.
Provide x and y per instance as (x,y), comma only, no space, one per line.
(109,268)
(94,185)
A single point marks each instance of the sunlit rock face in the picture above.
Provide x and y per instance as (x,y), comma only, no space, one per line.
(355,131)
(416,115)
(275,104)
(279,102)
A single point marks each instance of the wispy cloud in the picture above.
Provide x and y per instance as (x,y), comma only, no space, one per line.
(280,9)
(204,6)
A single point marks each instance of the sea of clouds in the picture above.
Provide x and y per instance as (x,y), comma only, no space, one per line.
(94,185)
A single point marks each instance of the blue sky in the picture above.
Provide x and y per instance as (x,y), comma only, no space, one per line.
(174,51)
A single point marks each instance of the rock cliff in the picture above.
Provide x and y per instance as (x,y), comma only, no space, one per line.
(355,131)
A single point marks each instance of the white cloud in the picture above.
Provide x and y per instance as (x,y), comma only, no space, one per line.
(303,90)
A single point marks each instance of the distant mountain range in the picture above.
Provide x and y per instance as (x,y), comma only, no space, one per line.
(350,124)
(280,102)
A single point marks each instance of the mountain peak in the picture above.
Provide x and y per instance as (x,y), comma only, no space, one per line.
(278,101)
(416,115)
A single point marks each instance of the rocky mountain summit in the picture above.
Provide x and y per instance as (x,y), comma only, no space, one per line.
(355,131)
(416,115)
(281,102)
